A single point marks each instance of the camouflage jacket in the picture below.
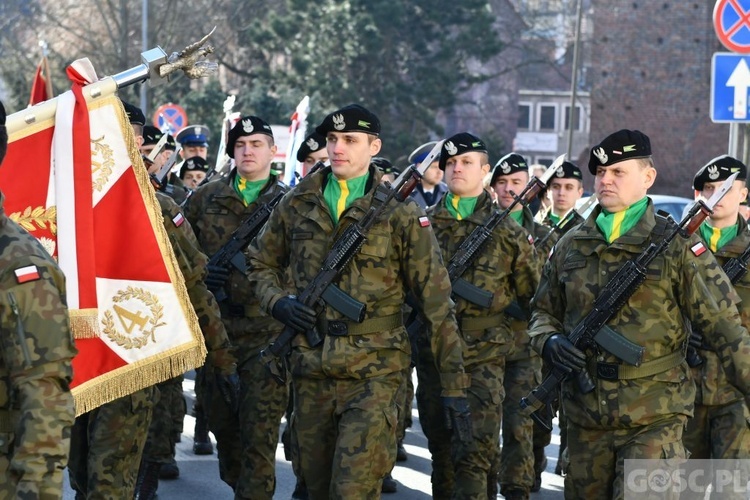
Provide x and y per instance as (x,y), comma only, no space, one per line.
(36,349)
(192,264)
(400,255)
(215,210)
(685,280)
(712,385)
(507,267)
(521,340)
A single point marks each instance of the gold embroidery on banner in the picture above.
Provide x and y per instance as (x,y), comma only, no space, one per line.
(102,161)
(39,216)
(132,316)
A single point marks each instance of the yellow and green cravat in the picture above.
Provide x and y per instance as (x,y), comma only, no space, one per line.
(339,194)
(614,225)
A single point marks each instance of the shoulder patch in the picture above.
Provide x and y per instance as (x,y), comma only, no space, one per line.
(424,221)
(26,274)
(698,248)
(530,238)
(178,219)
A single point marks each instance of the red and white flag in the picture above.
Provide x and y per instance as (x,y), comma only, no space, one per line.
(297,133)
(78,184)
(41,86)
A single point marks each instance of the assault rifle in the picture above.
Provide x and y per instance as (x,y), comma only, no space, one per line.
(472,247)
(572,218)
(159,179)
(593,329)
(231,253)
(735,269)
(344,249)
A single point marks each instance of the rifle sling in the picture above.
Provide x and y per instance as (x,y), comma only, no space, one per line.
(616,371)
(481,322)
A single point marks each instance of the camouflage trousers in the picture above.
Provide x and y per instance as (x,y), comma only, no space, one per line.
(246,444)
(344,433)
(106,446)
(597,456)
(160,445)
(719,431)
(461,470)
(404,419)
(517,463)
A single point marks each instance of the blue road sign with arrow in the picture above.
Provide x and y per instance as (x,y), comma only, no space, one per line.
(730,80)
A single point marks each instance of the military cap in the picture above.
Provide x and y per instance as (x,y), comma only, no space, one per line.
(193,163)
(719,169)
(620,146)
(152,135)
(459,144)
(313,142)
(3,133)
(385,165)
(509,164)
(351,118)
(193,135)
(247,125)
(421,153)
(569,170)
(135,115)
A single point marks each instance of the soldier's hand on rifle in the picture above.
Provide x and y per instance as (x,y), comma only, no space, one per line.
(696,340)
(559,352)
(216,278)
(229,388)
(294,313)
(458,417)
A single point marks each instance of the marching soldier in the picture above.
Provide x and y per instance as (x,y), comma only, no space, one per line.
(522,459)
(719,426)
(632,412)
(246,444)
(36,349)
(193,171)
(312,151)
(507,268)
(567,188)
(345,390)
(431,188)
(151,136)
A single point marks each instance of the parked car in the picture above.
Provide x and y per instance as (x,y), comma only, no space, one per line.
(674,205)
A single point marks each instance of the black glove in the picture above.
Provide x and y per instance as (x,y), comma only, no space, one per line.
(696,340)
(229,388)
(294,313)
(216,278)
(560,353)
(458,417)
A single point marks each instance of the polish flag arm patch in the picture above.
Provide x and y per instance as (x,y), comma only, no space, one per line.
(26,274)
(698,248)
(531,239)
(178,219)
(424,221)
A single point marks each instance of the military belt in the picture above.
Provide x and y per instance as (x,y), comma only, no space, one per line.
(616,371)
(338,328)
(8,420)
(481,322)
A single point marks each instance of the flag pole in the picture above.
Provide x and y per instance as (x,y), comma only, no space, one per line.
(156,67)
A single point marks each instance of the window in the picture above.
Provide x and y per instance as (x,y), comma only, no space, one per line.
(547,116)
(576,118)
(524,116)
(544,161)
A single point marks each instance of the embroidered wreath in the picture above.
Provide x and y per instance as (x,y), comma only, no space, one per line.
(135,342)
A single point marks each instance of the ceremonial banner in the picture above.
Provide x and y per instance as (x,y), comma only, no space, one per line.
(297,133)
(41,86)
(78,184)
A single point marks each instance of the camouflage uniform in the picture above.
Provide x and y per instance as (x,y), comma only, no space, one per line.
(642,416)
(192,264)
(719,427)
(246,446)
(522,455)
(36,348)
(506,266)
(346,390)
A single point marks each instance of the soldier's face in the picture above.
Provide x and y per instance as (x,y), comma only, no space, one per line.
(622,184)
(433,175)
(190,151)
(464,173)
(505,184)
(726,210)
(314,158)
(350,153)
(253,155)
(193,178)
(565,192)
